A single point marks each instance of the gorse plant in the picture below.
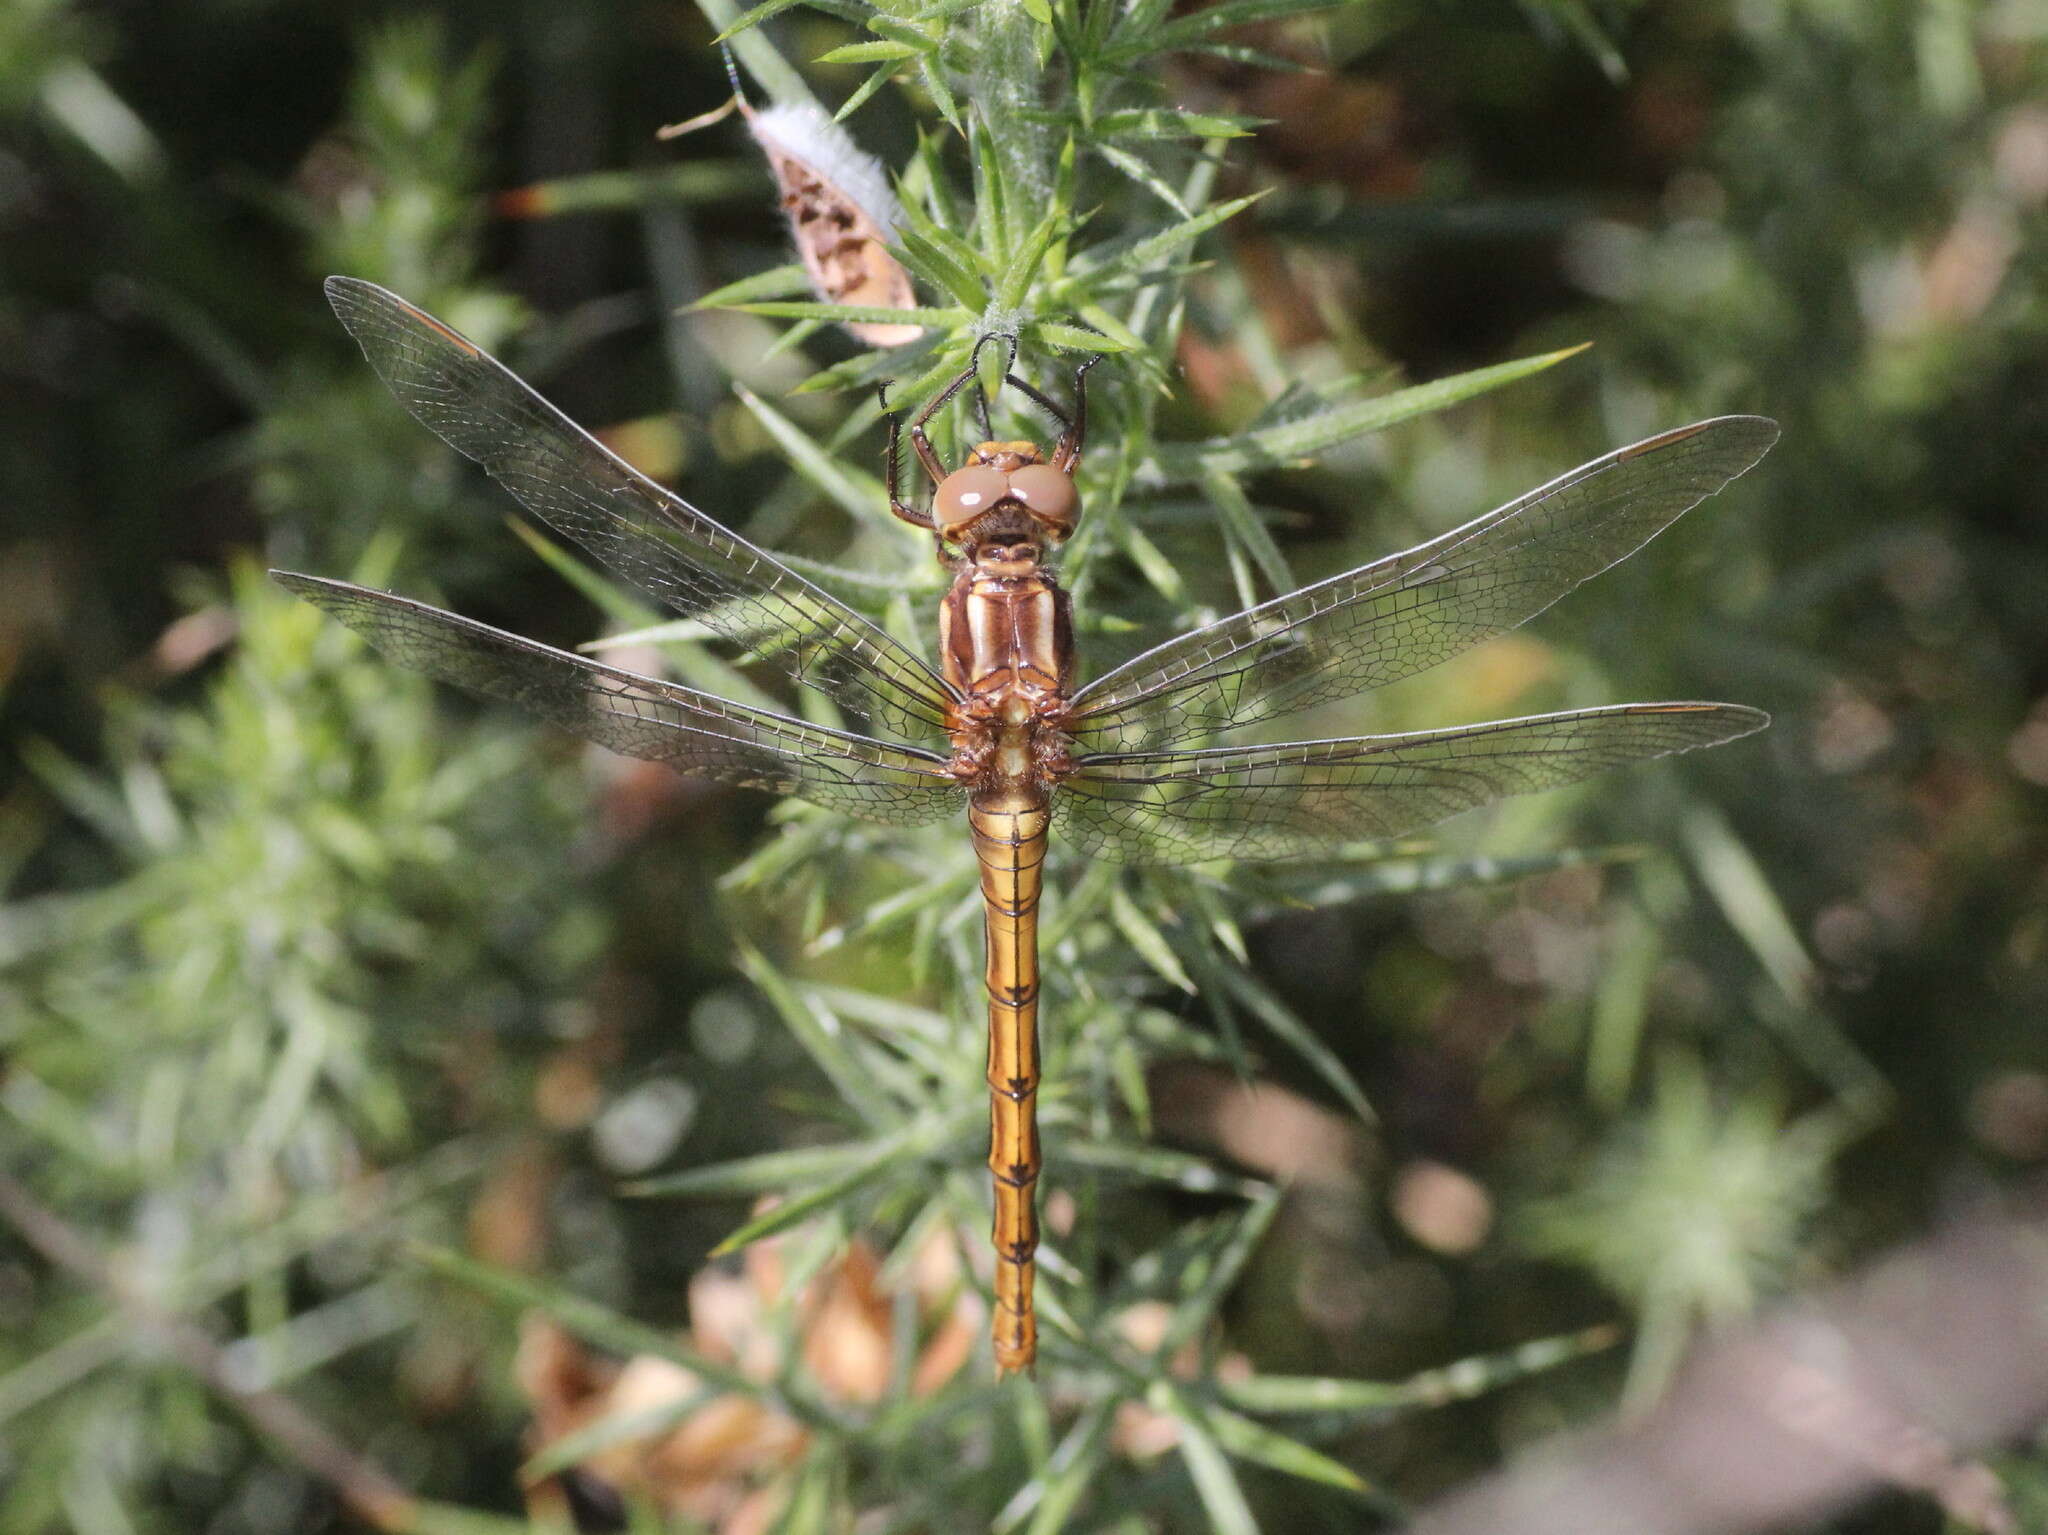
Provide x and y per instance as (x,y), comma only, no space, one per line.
(349,1078)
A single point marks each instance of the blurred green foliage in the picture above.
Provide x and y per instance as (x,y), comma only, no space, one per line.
(339,1018)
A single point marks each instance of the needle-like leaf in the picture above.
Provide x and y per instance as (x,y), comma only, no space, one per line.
(1297,442)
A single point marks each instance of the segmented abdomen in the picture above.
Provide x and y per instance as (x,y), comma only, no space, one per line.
(1009,840)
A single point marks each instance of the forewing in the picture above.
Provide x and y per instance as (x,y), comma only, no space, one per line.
(1407,612)
(646,534)
(694,733)
(1305,797)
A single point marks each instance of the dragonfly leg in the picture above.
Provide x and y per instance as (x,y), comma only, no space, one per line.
(988,432)
(1068,453)
(1038,397)
(892,469)
(922,444)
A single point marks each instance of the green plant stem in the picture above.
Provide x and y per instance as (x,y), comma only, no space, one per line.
(1009,92)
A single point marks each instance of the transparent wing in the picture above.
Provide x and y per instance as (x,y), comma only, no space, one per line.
(646,534)
(694,733)
(1307,796)
(1409,611)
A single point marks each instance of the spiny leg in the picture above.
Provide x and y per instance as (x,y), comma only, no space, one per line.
(918,440)
(988,431)
(1039,399)
(1068,453)
(892,462)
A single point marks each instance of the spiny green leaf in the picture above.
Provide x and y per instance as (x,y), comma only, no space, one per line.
(1193,1174)
(892,911)
(993,210)
(1735,879)
(957,248)
(1149,251)
(1740,888)
(1298,441)
(856,491)
(1251,58)
(942,10)
(1593,37)
(758,54)
(902,31)
(879,1157)
(934,79)
(1401,872)
(844,314)
(927,255)
(1280,1018)
(1216,916)
(754,16)
(1240,1436)
(894,1016)
(1127,1069)
(1215,1483)
(861,372)
(587,1319)
(1017,277)
(1166,123)
(611,1429)
(1159,572)
(776,282)
(866,89)
(768,1173)
(819,1036)
(1141,18)
(1072,338)
(1432,1388)
(674,631)
(610,600)
(872,53)
(1108,325)
(1056,1491)
(1187,31)
(793,337)
(1242,521)
(1192,1311)
(1141,173)
(1144,936)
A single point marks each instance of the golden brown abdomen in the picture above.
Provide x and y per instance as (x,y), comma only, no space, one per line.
(1009,827)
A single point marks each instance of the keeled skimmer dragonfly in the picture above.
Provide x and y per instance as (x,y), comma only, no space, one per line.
(999,728)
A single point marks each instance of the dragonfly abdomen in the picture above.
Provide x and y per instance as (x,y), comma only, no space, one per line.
(1009,828)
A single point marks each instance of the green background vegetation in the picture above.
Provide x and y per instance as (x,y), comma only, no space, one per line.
(337,1013)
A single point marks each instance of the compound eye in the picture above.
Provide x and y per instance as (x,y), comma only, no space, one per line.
(1050,496)
(965,494)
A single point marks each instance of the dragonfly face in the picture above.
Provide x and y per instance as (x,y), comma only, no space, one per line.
(1127,767)
(1007,495)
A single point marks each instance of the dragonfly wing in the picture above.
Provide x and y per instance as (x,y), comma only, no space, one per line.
(1284,801)
(695,733)
(648,535)
(1405,613)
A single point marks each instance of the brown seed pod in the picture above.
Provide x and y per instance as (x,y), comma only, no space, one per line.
(840,211)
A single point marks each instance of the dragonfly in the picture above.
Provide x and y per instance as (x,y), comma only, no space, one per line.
(1125,766)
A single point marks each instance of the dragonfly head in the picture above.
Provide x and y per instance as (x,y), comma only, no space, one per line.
(1006,494)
